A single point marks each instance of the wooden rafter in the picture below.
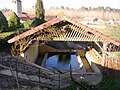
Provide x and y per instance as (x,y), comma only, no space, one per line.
(73,34)
(79,35)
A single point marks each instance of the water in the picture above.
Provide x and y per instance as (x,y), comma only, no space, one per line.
(54,62)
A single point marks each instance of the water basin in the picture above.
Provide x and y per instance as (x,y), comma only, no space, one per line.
(63,62)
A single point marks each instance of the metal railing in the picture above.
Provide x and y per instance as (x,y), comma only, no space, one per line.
(40,72)
(58,79)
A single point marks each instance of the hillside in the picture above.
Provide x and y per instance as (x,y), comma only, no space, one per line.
(78,13)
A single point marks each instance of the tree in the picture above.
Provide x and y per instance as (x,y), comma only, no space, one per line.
(39,13)
(39,10)
(62,7)
(101,8)
(84,8)
(3,23)
(108,8)
(67,8)
(14,21)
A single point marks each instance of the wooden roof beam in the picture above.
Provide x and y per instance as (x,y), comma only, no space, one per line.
(88,29)
(36,29)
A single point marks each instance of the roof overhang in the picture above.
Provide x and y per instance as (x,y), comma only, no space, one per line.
(57,20)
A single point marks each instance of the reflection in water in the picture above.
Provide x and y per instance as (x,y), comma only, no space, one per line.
(62,62)
(64,58)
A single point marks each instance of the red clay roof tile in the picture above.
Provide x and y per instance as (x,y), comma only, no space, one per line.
(57,20)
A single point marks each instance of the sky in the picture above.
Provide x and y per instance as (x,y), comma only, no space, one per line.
(66,3)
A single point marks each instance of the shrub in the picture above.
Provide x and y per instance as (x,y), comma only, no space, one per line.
(14,21)
(3,23)
(27,24)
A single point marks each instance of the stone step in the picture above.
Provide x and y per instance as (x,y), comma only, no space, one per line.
(6,72)
(20,75)
(42,80)
(33,78)
(50,82)
(47,82)
(25,76)
(14,73)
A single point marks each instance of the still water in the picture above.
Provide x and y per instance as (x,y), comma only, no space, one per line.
(62,62)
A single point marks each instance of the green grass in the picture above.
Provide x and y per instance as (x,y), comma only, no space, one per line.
(4,35)
(114,54)
(27,24)
(71,87)
(113,31)
(107,83)
(4,46)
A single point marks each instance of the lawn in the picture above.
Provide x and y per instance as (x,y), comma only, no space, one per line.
(114,54)
(107,83)
(113,31)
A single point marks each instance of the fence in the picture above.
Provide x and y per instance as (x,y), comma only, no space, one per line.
(22,73)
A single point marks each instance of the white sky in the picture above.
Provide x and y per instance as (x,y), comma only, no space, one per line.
(65,3)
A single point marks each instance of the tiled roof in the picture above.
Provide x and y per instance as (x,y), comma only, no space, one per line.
(57,20)
(25,17)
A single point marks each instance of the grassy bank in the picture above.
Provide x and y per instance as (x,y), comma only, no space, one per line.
(107,83)
(5,36)
(3,40)
(113,31)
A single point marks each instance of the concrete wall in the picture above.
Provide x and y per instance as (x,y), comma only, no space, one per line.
(80,61)
(44,59)
(32,52)
(94,57)
(45,48)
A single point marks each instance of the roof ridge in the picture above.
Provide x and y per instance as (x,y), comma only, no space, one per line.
(57,20)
